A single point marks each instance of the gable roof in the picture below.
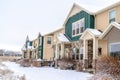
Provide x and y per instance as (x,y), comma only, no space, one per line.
(106,31)
(92,32)
(73,6)
(108,7)
(54,31)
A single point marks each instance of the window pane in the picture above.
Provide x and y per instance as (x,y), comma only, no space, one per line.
(82,29)
(81,50)
(77,29)
(115,48)
(73,32)
(82,26)
(112,15)
(49,40)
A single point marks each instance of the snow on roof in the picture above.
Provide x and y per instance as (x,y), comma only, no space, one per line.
(30,47)
(95,32)
(111,25)
(62,37)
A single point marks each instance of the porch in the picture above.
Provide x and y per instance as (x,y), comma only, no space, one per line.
(90,48)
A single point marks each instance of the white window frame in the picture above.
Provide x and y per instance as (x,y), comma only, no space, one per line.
(109,14)
(111,45)
(75,26)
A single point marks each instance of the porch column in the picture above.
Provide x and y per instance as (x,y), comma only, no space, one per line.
(56,52)
(62,50)
(85,50)
(95,52)
(95,48)
(85,54)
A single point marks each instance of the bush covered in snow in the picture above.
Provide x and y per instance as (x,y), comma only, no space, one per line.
(107,68)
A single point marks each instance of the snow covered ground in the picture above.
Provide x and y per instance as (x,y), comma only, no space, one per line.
(46,73)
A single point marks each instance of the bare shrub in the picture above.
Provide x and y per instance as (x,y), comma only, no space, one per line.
(79,66)
(107,68)
(66,63)
(25,63)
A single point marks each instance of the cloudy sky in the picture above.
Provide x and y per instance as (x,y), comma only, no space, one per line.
(19,18)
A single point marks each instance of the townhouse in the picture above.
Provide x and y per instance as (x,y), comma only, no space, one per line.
(50,41)
(84,36)
(33,49)
(91,35)
(110,28)
(104,39)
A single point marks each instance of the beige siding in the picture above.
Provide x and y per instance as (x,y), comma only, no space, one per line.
(102,19)
(57,33)
(118,14)
(35,43)
(47,51)
(74,11)
(88,36)
(103,44)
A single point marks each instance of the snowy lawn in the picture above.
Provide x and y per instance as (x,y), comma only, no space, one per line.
(47,73)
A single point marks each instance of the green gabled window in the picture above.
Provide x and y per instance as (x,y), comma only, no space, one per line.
(78,27)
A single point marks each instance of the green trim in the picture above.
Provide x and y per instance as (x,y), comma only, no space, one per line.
(40,48)
(89,23)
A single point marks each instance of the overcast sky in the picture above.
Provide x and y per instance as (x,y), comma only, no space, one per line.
(19,18)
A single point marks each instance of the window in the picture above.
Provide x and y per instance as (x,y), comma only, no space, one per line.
(81,53)
(114,49)
(78,27)
(77,54)
(74,53)
(73,30)
(49,40)
(112,15)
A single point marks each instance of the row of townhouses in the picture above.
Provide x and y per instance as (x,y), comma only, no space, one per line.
(84,36)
